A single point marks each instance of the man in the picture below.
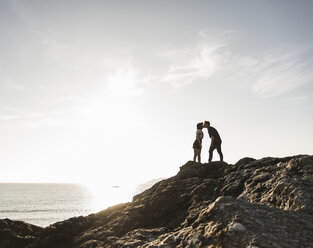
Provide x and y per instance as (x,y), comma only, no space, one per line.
(216,141)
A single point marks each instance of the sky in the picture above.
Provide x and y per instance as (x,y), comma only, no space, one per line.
(110,92)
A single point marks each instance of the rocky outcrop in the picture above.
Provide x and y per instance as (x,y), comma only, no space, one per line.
(17,234)
(253,203)
(147,185)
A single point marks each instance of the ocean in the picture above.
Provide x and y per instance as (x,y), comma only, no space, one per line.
(44,204)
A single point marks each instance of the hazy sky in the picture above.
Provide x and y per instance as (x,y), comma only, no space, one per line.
(110,91)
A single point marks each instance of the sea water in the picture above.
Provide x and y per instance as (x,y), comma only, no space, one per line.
(44,204)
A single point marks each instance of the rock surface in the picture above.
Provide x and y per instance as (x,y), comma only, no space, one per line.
(17,233)
(253,203)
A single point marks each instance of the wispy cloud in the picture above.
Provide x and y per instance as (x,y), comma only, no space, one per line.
(266,73)
(282,74)
(7,117)
(191,66)
(18,117)
(198,62)
(269,74)
(33,120)
(60,52)
(7,85)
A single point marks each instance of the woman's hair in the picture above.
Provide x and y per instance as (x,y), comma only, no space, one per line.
(200,125)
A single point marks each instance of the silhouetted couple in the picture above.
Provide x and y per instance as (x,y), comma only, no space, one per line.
(216,141)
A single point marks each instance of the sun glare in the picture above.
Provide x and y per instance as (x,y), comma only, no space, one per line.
(123,82)
(104,196)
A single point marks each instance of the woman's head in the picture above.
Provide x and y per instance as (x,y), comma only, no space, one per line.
(200,125)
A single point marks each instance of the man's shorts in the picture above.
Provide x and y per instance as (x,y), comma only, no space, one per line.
(215,145)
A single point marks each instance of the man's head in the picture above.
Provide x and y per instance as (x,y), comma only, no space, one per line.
(206,124)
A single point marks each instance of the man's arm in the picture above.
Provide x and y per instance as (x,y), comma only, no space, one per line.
(210,132)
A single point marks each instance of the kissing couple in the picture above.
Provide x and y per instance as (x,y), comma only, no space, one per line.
(216,142)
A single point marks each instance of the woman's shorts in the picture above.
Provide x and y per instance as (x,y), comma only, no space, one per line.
(196,145)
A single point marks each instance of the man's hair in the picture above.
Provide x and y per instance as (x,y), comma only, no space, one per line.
(207,122)
(200,125)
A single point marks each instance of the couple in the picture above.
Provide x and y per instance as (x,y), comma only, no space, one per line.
(216,141)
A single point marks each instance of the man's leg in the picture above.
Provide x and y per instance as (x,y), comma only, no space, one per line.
(219,150)
(211,153)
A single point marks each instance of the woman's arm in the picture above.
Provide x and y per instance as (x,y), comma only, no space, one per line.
(198,137)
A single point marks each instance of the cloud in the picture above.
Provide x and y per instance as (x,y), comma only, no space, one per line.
(9,113)
(28,120)
(125,81)
(282,74)
(7,117)
(32,115)
(265,73)
(198,62)
(46,122)
(69,99)
(34,120)
(269,74)
(299,100)
(191,66)
(7,85)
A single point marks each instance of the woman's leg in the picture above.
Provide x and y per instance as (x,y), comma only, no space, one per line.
(199,156)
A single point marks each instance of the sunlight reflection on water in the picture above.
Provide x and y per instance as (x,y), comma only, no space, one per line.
(103,197)
(44,204)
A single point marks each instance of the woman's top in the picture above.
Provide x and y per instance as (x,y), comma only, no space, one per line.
(199,134)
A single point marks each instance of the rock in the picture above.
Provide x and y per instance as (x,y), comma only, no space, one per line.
(236,227)
(244,161)
(144,186)
(17,233)
(254,203)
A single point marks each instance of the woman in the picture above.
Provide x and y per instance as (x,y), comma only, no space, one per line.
(197,145)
